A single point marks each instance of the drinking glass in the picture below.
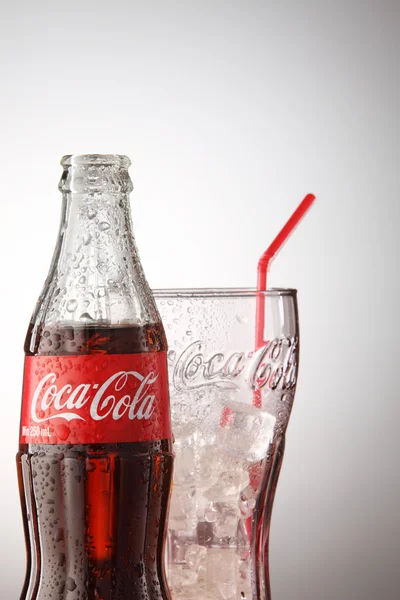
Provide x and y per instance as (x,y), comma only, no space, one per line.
(230,406)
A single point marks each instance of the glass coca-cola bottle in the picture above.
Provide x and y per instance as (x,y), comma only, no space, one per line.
(95,459)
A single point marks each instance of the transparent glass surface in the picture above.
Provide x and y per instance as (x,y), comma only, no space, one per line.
(230,406)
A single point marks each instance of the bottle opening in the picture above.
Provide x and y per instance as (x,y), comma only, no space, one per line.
(95,174)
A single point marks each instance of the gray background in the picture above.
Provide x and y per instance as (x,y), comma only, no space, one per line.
(231,112)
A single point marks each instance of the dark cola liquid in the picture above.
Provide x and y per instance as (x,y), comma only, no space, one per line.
(95,515)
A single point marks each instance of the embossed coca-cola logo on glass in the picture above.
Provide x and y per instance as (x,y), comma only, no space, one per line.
(273,366)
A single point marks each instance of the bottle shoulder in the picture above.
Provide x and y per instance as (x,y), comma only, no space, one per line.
(95,280)
(72,339)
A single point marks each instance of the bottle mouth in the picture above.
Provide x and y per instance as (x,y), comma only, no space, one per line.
(105,160)
(95,174)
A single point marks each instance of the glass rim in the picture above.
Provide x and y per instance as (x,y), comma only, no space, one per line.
(222,292)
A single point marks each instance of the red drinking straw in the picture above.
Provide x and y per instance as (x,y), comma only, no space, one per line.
(262,270)
(263,265)
(267,257)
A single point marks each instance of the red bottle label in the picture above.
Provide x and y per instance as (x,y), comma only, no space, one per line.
(93,399)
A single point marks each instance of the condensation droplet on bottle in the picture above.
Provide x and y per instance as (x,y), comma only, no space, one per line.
(86,318)
(189,333)
(70,585)
(91,213)
(104,226)
(171,355)
(87,238)
(101,293)
(102,267)
(82,279)
(72,305)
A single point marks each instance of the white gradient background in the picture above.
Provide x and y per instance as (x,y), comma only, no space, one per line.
(231,112)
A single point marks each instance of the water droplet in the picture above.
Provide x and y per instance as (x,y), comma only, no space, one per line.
(71,585)
(104,226)
(87,238)
(72,305)
(241,319)
(82,279)
(189,333)
(86,303)
(101,293)
(102,267)
(171,355)
(62,431)
(91,213)
(86,318)
(61,560)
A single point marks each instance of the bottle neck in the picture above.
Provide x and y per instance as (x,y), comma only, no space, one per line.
(96,228)
(96,275)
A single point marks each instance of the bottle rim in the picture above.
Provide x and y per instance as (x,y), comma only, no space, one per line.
(105,160)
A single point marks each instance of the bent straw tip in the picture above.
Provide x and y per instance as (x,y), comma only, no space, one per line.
(310,197)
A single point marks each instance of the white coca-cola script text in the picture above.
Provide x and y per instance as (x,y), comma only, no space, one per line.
(108,400)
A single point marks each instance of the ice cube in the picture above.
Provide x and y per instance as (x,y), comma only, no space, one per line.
(227,590)
(183,513)
(221,571)
(193,555)
(226,523)
(247,501)
(248,432)
(209,467)
(227,487)
(243,540)
(244,582)
(210,513)
(180,577)
(184,448)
